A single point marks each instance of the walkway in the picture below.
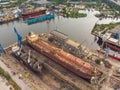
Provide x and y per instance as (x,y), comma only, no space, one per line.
(22,85)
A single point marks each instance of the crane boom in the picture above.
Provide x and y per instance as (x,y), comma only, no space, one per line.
(19,37)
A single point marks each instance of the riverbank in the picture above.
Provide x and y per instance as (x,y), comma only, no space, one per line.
(72,13)
(101,25)
(103,28)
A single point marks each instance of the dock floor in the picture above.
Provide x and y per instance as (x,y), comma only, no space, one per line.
(52,77)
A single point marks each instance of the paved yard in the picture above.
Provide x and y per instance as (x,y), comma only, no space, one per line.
(14,77)
(3,84)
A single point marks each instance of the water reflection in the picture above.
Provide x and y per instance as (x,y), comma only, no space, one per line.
(78,29)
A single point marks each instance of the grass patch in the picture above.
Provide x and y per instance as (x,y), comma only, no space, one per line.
(9,79)
(73,13)
(103,28)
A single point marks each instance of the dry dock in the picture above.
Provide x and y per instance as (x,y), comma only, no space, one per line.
(60,75)
(52,75)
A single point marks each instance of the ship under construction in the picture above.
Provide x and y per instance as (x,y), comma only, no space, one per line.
(65,59)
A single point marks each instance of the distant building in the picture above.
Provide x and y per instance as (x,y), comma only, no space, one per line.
(61,6)
(13,1)
(80,5)
(113,3)
(4,0)
(40,2)
(4,3)
(117,1)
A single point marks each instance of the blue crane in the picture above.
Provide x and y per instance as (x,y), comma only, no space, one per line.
(20,43)
(1,49)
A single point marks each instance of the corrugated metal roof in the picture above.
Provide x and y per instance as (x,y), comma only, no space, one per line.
(59,34)
(73,43)
(106,36)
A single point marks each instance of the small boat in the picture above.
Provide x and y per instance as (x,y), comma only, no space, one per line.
(32,20)
(8,18)
(111,54)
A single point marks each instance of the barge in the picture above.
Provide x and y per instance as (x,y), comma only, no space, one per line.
(72,63)
(8,18)
(40,18)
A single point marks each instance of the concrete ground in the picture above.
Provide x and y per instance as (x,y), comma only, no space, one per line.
(14,77)
(3,84)
(32,82)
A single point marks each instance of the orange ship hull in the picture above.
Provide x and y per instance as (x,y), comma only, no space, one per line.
(62,63)
(70,62)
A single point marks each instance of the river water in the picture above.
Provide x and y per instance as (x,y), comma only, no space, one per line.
(77,29)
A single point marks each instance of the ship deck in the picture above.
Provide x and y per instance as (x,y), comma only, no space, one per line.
(80,63)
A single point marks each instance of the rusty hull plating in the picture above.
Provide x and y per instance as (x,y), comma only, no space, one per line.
(67,60)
